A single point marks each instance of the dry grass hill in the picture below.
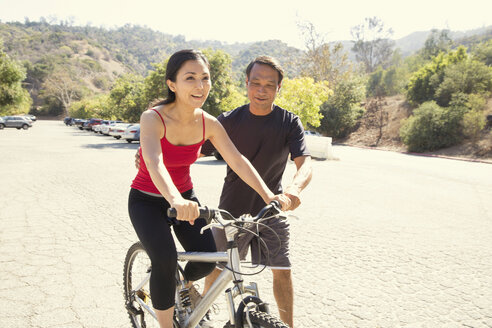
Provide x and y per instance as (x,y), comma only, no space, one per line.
(370,133)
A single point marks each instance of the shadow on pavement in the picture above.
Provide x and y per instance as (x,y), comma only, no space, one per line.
(113,145)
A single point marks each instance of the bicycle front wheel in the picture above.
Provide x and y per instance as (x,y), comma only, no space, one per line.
(253,310)
(264,320)
(136,277)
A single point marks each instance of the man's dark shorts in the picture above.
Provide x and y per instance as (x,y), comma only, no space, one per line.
(273,254)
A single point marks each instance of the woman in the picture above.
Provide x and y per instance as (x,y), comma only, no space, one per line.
(171,135)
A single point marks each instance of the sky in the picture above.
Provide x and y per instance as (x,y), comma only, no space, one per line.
(233,21)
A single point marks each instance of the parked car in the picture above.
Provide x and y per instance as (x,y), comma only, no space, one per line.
(97,128)
(84,125)
(318,146)
(312,133)
(68,120)
(2,123)
(132,133)
(19,122)
(31,117)
(91,123)
(79,123)
(104,129)
(118,129)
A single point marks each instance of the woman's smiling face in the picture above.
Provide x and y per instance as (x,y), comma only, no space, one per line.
(192,84)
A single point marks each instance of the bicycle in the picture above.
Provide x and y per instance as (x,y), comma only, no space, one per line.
(251,311)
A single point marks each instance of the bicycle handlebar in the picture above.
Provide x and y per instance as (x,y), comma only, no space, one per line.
(209,213)
(205,213)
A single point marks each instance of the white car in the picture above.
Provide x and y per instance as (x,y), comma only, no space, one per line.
(132,133)
(104,129)
(118,129)
(97,128)
(318,146)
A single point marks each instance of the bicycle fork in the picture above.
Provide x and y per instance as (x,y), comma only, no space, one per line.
(239,289)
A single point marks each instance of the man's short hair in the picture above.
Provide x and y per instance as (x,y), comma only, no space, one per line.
(269,61)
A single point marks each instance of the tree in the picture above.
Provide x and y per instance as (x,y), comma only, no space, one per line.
(343,109)
(467,77)
(63,84)
(483,52)
(155,86)
(322,61)
(372,44)
(377,116)
(13,98)
(424,82)
(436,42)
(303,97)
(97,106)
(127,97)
(224,93)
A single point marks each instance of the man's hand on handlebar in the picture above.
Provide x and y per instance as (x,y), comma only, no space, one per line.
(137,159)
(284,200)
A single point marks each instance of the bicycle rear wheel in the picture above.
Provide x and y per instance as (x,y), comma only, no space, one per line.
(136,274)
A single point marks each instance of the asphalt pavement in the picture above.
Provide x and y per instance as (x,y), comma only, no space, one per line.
(382,239)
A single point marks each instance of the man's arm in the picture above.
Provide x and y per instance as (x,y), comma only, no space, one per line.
(301,180)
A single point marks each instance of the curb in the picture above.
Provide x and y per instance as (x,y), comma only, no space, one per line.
(464,159)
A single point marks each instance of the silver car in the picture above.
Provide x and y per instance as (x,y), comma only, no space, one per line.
(118,129)
(132,133)
(18,122)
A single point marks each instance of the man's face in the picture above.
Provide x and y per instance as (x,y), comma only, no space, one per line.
(262,86)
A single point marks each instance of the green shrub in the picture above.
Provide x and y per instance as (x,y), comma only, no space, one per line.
(468,77)
(91,53)
(342,110)
(473,123)
(390,82)
(101,82)
(483,52)
(432,127)
(97,106)
(424,83)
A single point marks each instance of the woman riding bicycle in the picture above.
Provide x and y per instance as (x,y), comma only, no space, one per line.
(172,132)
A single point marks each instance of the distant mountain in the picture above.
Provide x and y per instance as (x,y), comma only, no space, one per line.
(415,41)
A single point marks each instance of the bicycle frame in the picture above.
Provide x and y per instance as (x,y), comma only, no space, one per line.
(231,257)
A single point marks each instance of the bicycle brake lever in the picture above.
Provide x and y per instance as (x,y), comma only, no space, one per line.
(210,225)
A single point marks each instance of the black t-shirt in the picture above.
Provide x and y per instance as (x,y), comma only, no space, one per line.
(266,141)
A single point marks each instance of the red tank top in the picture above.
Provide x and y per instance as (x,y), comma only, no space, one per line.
(177,160)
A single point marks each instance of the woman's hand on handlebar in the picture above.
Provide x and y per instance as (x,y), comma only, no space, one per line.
(187,210)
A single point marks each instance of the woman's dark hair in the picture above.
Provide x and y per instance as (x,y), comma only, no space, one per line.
(269,61)
(175,62)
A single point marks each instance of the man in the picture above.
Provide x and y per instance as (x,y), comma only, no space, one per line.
(265,134)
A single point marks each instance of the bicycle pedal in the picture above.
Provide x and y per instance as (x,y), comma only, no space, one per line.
(143,296)
(132,310)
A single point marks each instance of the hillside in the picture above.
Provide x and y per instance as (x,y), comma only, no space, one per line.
(94,57)
(367,133)
(134,47)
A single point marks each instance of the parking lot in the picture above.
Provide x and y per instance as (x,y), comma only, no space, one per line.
(382,239)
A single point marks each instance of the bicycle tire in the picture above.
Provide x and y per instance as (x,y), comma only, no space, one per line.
(258,315)
(137,264)
(261,319)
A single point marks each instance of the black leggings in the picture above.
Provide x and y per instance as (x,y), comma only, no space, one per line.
(149,218)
